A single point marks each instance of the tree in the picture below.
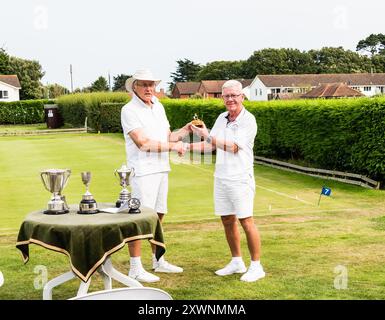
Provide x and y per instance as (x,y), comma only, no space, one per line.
(278,61)
(100,84)
(29,73)
(221,70)
(378,63)
(374,44)
(55,90)
(119,82)
(339,60)
(186,70)
(4,61)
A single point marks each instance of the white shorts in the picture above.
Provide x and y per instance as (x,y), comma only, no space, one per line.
(234,197)
(151,190)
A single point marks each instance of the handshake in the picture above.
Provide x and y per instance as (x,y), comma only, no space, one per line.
(197,127)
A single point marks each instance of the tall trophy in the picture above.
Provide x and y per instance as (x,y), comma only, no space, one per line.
(88,204)
(54,181)
(125,200)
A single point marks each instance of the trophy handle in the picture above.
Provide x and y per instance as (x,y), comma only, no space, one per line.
(116,176)
(42,179)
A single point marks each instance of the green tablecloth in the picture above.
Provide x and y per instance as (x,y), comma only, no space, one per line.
(89,239)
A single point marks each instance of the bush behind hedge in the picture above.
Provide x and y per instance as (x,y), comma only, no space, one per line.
(23,112)
(74,108)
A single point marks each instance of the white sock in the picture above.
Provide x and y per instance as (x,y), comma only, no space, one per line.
(135,263)
(237,260)
(255,263)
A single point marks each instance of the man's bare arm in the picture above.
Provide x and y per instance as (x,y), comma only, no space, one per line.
(148,145)
(180,134)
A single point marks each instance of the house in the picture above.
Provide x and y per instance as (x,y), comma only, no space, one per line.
(183,90)
(213,88)
(267,87)
(332,90)
(9,88)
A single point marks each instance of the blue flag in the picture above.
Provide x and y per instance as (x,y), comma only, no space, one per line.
(326,191)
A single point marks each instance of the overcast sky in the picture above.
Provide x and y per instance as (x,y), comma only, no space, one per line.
(119,36)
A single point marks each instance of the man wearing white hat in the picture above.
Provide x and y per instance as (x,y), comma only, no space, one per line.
(148,142)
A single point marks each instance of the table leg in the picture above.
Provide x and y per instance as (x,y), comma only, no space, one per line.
(83,288)
(47,290)
(106,279)
(118,276)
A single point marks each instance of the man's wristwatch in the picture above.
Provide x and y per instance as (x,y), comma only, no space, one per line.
(209,139)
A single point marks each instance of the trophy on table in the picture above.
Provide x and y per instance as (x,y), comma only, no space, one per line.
(54,181)
(125,200)
(88,204)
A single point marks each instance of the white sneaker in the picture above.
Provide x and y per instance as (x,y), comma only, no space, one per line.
(164,266)
(142,275)
(253,274)
(232,267)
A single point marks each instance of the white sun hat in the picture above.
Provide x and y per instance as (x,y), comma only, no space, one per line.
(143,74)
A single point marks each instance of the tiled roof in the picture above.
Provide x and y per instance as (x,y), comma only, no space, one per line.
(12,80)
(313,80)
(187,87)
(215,86)
(332,90)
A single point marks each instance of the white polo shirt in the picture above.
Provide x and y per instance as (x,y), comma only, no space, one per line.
(153,120)
(241,131)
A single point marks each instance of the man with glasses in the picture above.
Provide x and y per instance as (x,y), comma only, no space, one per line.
(148,142)
(233,137)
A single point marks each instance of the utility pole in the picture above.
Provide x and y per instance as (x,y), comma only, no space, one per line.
(72,85)
(109,80)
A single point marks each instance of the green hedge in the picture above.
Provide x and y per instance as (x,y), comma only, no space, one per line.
(23,112)
(74,108)
(110,117)
(343,134)
(338,134)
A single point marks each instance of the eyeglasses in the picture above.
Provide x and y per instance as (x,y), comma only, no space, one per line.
(145,85)
(232,96)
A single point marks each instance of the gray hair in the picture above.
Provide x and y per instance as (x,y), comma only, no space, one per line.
(232,84)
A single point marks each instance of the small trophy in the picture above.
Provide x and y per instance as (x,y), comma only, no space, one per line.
(88,204)
(54,180)
(125,200)
(197,122)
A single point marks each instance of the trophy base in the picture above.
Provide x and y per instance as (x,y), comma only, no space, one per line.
(134,211)
(88,206)
(55,212)
(89,212)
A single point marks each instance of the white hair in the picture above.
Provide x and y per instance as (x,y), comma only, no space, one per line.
(232,84)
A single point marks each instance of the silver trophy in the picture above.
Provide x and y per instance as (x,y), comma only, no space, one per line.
(123,175)
(54,181)
(88,204)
